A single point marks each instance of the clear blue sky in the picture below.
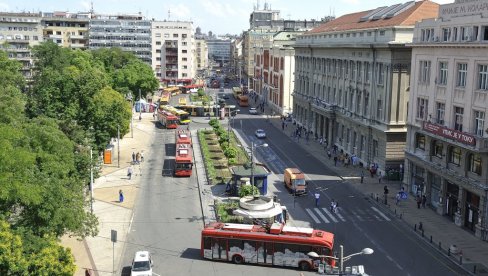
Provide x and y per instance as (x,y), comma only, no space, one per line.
(219,16)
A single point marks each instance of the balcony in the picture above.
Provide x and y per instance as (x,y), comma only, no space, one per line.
(78,45)
(78,36)
(55,36)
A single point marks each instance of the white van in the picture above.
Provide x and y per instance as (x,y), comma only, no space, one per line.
(142,264)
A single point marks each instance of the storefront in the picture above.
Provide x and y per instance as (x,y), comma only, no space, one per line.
(418,180)
(435,190)
(452,195)
(472,210)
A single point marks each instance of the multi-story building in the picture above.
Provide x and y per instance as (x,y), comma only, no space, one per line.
(66,29)
(173,51)
(352,78)
(219,50)
(18,33)
(201,56)
(236,60)
(447,142)
(131,33)
(274,71)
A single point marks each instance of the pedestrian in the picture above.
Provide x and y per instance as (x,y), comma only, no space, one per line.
(133,157)
(121,196)
(335,161)
(379,177)
(332,205)
(138,157)
(282,125)
(329,154)
(362,176)
(129,172)
(419,201)
(398,196)
(424,201)
(317,197)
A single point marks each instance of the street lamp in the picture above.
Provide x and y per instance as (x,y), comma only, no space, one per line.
(342,259)
(252,160)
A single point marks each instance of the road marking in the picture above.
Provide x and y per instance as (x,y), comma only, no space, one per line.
(312,215)
(330,215)
(380,213)
(340,216)
(358,216)
(130,223)
(321,215)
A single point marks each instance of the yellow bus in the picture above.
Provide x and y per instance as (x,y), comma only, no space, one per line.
(237,92)
(182,101)
(164,100)
(173,90)
(183,116)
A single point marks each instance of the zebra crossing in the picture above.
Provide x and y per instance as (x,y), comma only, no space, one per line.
(324,215)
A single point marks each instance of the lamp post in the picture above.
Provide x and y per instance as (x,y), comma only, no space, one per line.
(342,259)
(231,115)
(252,160)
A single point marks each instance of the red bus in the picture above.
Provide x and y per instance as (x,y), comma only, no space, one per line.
(280,246)
(243,100)
(188,88)
(183,160)
(183,137)
(167,119)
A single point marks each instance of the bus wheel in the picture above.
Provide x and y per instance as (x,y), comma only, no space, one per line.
(304,266)
(237,259)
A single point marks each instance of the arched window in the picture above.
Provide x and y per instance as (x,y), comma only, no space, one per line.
(455,156)
(474,163)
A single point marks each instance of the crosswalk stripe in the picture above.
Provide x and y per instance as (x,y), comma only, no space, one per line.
(339,215)
(380,213)
(317,210)
(358,216)
(316,219)
(330,215)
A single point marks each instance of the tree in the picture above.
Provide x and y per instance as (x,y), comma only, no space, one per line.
(12,260)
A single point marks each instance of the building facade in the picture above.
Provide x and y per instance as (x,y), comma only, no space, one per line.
(219,50)
(274,71)
(131,33)
(18,33)
(447,146)
(68,30)
(173,51)
(201,57)
(352,79)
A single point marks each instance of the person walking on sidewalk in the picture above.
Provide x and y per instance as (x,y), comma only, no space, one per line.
(133,157)
(329,154)
(424,201)
(335,161)
(129,172)
(138,157)
(317,197)
(398,197)
(121,196)
(419,201)
(379,177)
(362,176)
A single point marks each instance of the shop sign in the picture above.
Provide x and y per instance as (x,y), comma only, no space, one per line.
(450,133)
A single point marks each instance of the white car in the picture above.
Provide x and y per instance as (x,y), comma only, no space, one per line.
(253,111)
(142,264)
(260,133)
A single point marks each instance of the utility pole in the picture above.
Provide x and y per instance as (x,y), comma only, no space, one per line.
(118,146)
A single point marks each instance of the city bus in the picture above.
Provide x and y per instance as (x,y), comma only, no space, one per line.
(281,245)
(237,92)
(172,90)
(183,137)
(243,100)
(183,160)
(167,119)
(191,88)
(202,111)
(182,101)
(165,98)
(183,116)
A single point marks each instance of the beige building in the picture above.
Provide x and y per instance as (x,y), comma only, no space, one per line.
(352,78)
(173,51)
(69,30)
(274,71)
(447,148)
(201,55)
(18,33)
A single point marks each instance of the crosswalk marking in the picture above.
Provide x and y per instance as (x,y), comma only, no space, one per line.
(380,213)
(321,215)
(358,216)
(330,215)
(340,216)
(316,219)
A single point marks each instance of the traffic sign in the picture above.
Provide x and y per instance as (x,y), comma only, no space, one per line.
(403,195)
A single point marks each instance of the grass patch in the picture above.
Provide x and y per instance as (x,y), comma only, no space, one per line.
(224,212)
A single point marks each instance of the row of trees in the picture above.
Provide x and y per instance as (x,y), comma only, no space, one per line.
(75,102)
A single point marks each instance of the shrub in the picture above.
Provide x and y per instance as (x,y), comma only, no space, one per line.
(247,190)
(214,122)
(223,138)
(230,152)
(221,131)
(200,92)
(232,161)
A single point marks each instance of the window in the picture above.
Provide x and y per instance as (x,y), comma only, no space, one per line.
(474,164)
(185,66)
(366,72)
(442,73)
(184,35)
(440,109)
(446,34)
(175,35)
(420,141)
(158,34)
(375,148)
(158,42)
(184,51)
(479,122)
(381,73)
(378,111)
(455,156)
(458,118)
(438,148)
(462,72)
(424,76)
(483,77)
(184,43)
(422,105)
(184,59)
(166,35)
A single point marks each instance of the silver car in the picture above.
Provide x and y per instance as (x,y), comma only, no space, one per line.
(253,111)
(260,133)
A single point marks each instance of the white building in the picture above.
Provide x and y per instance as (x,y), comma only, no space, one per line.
(173,51)
(447,148)
(352,78)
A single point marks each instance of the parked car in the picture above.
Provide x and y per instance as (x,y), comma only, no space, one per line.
(142,264)
(253,111)
(260,133)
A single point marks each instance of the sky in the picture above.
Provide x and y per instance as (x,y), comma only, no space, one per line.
(218,16)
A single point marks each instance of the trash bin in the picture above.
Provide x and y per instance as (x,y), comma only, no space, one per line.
(108,154)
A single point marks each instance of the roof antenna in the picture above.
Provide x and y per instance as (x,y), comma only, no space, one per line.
(169,14)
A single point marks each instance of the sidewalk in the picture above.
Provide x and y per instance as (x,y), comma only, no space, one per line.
(95,253)
(442,230)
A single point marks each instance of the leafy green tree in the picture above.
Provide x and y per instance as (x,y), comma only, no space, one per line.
(12,260)
(10,72)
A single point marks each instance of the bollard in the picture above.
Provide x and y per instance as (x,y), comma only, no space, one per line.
(430,238)
(376,197)
(449,251)
(421,227)
(440,246)
(415,227)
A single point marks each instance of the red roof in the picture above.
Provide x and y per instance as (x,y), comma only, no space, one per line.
(420,10)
